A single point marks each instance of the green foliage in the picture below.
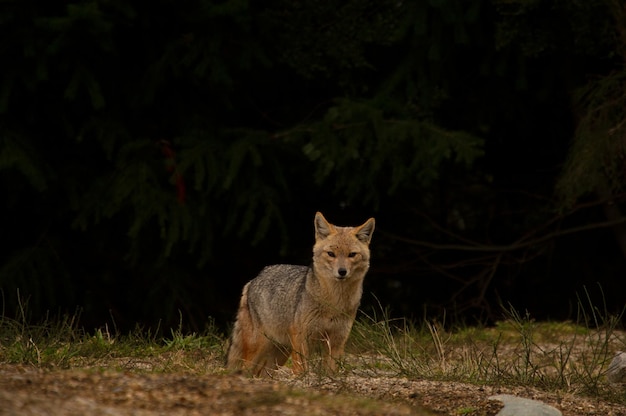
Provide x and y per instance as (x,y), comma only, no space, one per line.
(355,147)
(544,27)
(596,157)
(595,161)
(37,271)
(18,154)
(235,175)
(137,138)
(329,38)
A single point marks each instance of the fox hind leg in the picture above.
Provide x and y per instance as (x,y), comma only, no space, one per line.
(250,348)
(260,354)
(267,356)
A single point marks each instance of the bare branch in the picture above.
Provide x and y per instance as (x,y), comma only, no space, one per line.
(507,247)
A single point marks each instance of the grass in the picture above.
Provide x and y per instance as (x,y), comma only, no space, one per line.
(517,351)
(60,343)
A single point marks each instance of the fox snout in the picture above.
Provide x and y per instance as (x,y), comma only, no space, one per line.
(341,272)
(340,266)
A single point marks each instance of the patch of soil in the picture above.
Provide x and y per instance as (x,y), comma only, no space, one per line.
(31,391)
(452,398)
(27,391)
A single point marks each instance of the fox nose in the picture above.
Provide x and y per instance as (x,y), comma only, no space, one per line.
(342,272)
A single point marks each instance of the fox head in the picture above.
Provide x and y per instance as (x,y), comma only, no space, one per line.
(342,252)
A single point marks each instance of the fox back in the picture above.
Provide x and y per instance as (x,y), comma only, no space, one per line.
(291,309)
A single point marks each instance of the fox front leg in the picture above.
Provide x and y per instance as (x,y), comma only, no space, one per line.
(299,352)
(333,351)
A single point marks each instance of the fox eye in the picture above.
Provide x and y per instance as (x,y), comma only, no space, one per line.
(352,254)
(330,254)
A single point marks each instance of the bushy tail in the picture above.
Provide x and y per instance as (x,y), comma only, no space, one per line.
(235,355)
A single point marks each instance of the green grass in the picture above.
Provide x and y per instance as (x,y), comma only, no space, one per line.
(60,343)
(518,351)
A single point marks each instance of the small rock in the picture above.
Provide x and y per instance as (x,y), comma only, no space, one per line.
(617,369)
(518,406)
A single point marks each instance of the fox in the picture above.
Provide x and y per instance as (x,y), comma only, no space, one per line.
(294,311)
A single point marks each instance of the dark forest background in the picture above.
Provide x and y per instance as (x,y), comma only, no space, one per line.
(155,155)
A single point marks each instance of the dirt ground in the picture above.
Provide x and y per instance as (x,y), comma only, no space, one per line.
(31,391)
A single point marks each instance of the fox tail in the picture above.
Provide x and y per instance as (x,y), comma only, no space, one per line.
(235,354)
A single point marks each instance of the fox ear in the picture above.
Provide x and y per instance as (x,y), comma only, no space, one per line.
(322,227)
(365,231)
